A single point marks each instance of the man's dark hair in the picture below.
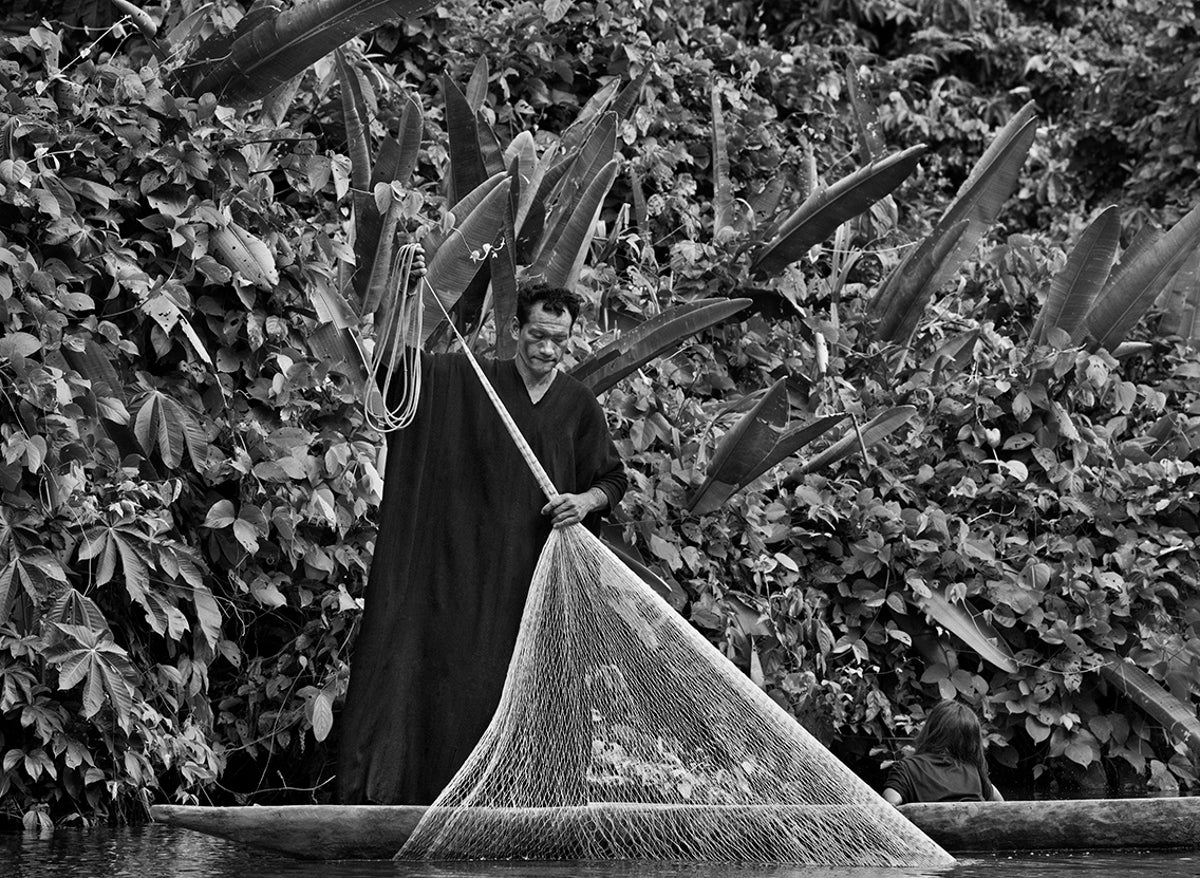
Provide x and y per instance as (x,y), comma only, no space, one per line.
(555,300)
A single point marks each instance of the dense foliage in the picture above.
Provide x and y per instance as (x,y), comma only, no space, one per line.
(187,492)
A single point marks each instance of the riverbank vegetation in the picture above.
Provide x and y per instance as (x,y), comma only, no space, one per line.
(946,445)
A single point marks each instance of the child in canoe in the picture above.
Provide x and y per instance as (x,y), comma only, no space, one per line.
(948,765)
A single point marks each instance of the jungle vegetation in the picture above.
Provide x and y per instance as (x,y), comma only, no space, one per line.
(893,304)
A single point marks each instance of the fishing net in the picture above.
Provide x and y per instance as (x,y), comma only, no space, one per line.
(622,733)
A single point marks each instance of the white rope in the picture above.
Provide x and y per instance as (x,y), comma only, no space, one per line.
(398,342)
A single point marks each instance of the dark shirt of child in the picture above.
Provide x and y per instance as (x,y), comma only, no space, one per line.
(949,765)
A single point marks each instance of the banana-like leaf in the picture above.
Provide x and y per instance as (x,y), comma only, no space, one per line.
(627,101)
(563,259)
(457,261)
(977,203)
(358,123)
(597,105)
(477,85)
(756,443)
(531,215)
(467,169)
(433,240)
(1181,303)
(1123,302)
(504,289)
(1178,719)
(970,627)
(901,300)
(523,149)
(379,263)
(723,190)
(489,145)
(1075,288)
(95,364)
(331,306)
(631,351)
(592,159)
(877,428)
(339,349)
(866,118)
(412,130)
(819,216)
(284,44)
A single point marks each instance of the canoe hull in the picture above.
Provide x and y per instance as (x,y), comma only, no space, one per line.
(373,832)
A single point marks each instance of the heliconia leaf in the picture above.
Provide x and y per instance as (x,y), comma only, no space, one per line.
(489,146)
(977,203)
(629,96)
(756,443)
(523,149)
(562,261)
(433,240)
(1181,303)
(722,187)
(970,627)
(331,306)
(1178,718)
(1123,302)
(378,264)
(531,225)
(282,45)
(766,202)
(1076,286)
(459,258)
(593,158)
(466,161)
(1146,236)
(641,214)
(820,215)
(866,119)
(650,339)
(357,120)
(477,85)
(338,348)
(877,428)
(901,300)
(409,136)
(504,289)
(597,105)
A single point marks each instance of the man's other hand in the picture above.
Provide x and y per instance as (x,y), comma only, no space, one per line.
(565,509)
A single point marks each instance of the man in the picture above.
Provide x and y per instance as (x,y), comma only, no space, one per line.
(461,527)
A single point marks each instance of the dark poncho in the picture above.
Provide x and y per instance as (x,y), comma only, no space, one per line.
(936,777)
(460,531)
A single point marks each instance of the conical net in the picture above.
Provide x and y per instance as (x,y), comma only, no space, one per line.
(623,734)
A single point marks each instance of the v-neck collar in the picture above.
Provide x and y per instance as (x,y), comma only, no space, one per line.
(525,387)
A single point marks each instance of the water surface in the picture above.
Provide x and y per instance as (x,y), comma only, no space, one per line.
(153,851)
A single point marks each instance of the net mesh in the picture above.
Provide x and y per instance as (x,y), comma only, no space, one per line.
(623,734)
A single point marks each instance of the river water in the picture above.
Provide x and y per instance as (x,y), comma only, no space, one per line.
(165,852)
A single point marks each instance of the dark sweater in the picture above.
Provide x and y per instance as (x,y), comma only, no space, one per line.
(935,777)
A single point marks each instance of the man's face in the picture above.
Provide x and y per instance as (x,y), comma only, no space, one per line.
(542,340)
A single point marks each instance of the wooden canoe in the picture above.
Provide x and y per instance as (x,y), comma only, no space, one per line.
(371,832)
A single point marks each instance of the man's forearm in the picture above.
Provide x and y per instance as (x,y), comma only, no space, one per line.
(599,499)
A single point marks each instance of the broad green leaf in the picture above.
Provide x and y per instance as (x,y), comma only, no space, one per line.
(819,216)
(650,339)
(756,443)
(460,257)
(331,306)
(597,105)
(340,350)
(877,428)
(531,224)
(504,289)
(901,300)
(357,120)
(866,119)
(380,283)
(1075,288)
(977,204)
(1177,718)
(8,590)
(489,146)
(722,188)
(1181,303)
(322,715)
(208,614)
(562,261)
(477,85)
(95,364)
(970,627)
(73,607)
(283,44)
(409,136)
(467,168)
(1123,302)
(592,160)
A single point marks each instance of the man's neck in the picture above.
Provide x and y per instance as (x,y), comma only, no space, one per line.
(536,385)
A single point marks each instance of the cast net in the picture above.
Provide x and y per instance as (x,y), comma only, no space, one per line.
(622,733)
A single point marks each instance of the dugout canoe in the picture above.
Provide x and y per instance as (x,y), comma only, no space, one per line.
(371,832)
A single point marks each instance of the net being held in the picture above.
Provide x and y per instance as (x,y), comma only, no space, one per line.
(623,734)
